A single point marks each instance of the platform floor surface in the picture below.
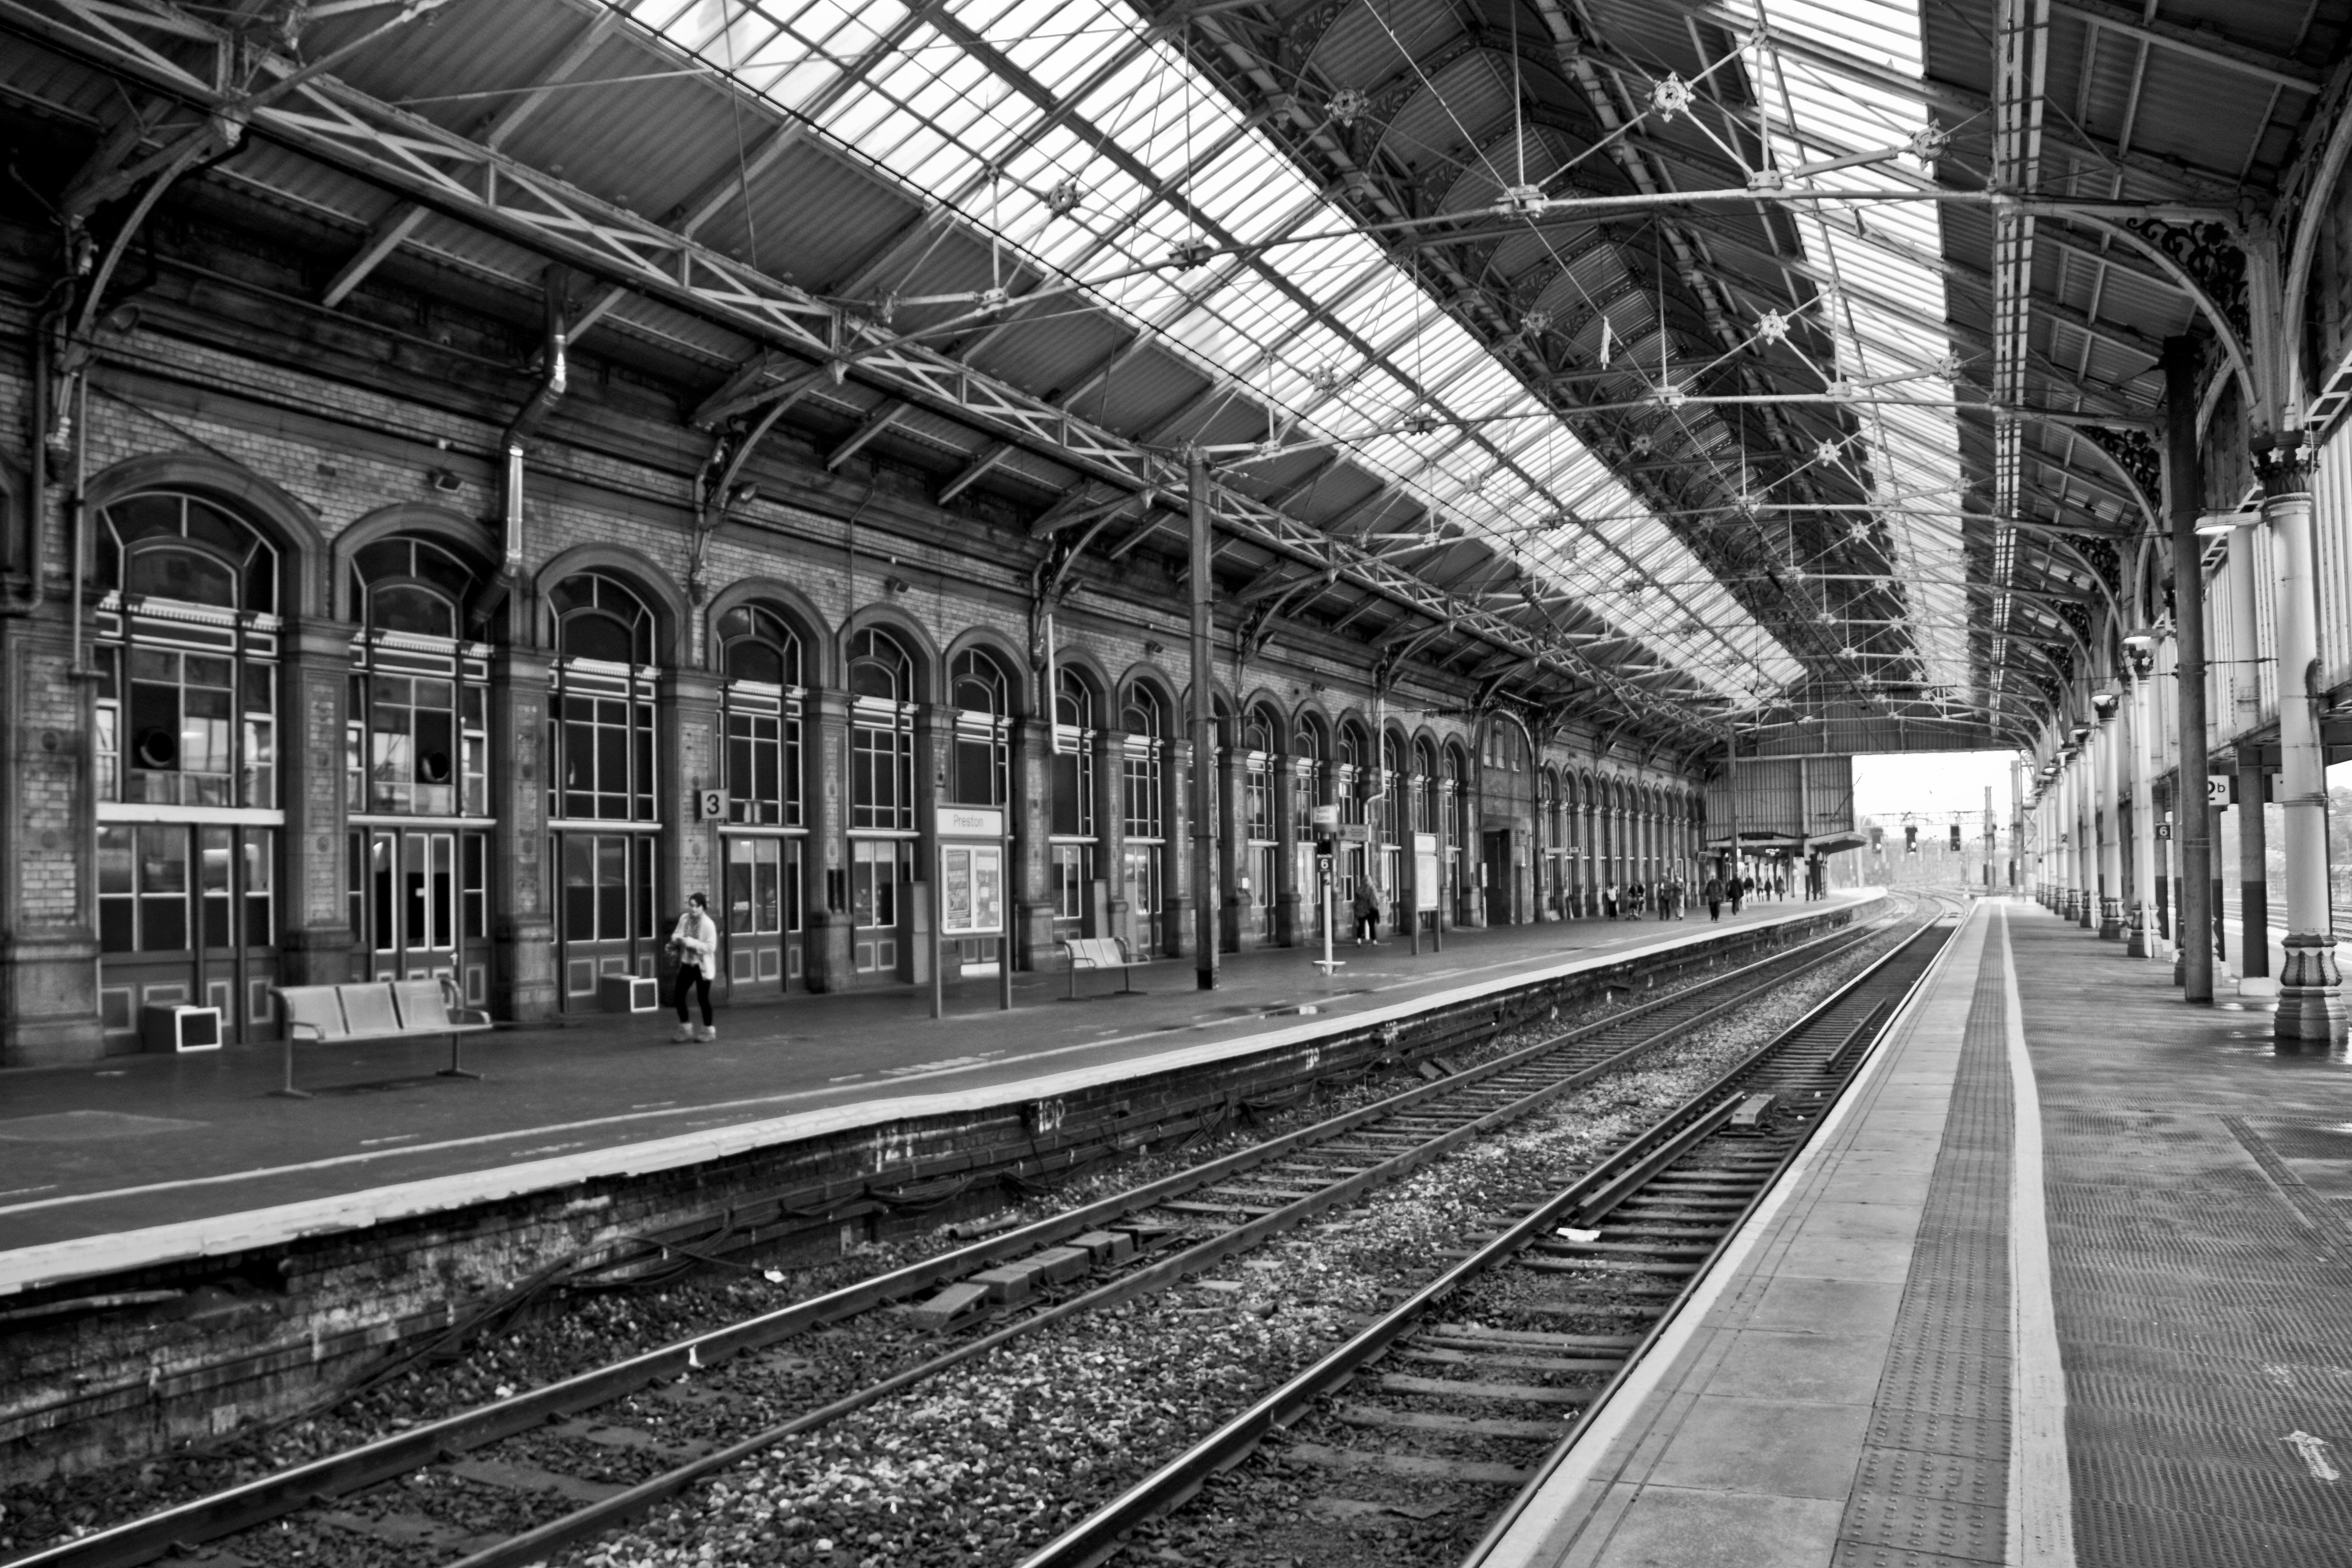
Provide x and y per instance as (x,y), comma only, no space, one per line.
(2069,1280)
(141,1142)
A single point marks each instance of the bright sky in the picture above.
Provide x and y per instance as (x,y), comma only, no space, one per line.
(1930,785)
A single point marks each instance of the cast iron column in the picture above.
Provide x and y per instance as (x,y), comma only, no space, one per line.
(2311,988)
(2184,486)
(1205,743)
(2140,939)
(2246,713)
(2109,740)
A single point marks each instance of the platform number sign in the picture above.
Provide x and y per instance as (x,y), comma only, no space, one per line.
(710,804)
(2221,789)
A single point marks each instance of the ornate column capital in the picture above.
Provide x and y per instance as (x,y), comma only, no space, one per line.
(2282,463)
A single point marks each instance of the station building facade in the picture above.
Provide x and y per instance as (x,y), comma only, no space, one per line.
(288,705)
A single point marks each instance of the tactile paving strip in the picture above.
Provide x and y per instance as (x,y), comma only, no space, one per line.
(1933,1488)
(2204,1306)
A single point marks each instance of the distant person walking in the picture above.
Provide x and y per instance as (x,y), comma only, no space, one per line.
(1713,893)
(695,946)
(1739,886)
(1366,909)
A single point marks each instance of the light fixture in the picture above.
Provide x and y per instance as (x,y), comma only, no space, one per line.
(2218,522)
(2141,639)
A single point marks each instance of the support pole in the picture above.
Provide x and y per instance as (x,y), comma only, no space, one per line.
(2184,491)
(2311,988)
(2140,940)
(2110,743)
(2246,705)
(1205,893)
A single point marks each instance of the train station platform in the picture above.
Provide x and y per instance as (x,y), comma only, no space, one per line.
(143,1160)
(2064,1280)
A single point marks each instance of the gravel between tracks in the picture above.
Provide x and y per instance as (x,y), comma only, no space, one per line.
(992,1459)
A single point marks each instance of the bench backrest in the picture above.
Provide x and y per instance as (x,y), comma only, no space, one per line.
(368,1009)
(318,1006)
(1099,952)
(423,1004)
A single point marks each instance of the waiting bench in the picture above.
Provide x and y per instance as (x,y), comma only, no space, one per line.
(375,1010)
(1100,953)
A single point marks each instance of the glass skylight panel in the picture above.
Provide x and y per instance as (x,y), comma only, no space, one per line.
(936,115)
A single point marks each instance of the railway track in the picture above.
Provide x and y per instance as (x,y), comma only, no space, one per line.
(984,1297)
(1427,1410)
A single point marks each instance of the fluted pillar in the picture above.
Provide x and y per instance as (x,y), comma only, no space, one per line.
(2311,988)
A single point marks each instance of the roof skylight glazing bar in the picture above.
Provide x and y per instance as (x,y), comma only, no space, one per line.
(943,120)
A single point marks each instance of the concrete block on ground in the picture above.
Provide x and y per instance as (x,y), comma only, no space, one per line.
(1007,1281)
(949,1304)
(1106,1245)
(1059,1265)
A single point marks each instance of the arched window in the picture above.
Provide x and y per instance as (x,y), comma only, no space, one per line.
(187,656)
(879,669)
(882,762)
(184,754)
(417,734)
(1074,755)
(1144,718)
(602,723)
(599,619)
(1258,746)
(1425,788)
(1072,780)
(180,548)
(977,689)
(1307,781)
(760,656)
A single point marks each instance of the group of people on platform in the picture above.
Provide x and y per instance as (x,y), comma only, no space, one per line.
(1668,899)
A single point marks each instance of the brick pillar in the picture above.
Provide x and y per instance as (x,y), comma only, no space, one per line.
(1291,923)
(522,918)
(1176,933)
(824,785)
(1110,835)
(690,759)
(934,754)
(1236,930)
(1030,823)
(314,913)
(48,938)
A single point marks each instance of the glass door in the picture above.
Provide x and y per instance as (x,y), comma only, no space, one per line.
(1143,898)
(762,918)
(874,873)
(187,916)
(607,914)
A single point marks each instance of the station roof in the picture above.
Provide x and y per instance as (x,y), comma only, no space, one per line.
(1690,364)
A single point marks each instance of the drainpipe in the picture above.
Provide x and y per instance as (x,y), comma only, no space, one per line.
(514,442)
(34,550)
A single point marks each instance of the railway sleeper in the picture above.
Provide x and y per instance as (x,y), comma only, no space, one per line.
(1565,1366)
(1421,1466)
(1498,1393)
(1439,1421)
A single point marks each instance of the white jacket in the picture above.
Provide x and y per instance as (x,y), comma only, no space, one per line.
(695,939)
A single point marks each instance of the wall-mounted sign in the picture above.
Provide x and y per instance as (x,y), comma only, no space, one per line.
(710,804)
(970,822)
(1325,817)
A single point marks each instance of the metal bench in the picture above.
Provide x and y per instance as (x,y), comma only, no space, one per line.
(375,1010)
(1100,953)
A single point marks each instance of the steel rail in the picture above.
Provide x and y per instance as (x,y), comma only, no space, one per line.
(1097,1536)
(287,1491)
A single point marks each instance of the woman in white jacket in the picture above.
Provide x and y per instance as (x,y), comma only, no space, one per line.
(695,945)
